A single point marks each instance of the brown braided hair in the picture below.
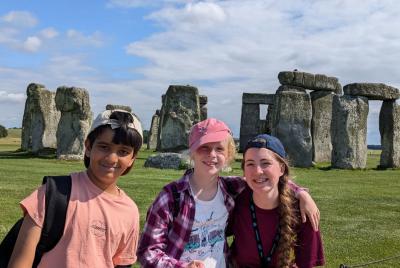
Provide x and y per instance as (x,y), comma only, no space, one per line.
(288,218)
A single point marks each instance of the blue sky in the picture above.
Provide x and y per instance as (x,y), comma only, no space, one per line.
(129,51)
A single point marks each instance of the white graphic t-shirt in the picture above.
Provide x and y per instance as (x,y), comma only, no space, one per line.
(207,238)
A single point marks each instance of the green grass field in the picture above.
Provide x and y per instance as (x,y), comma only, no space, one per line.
(360,209)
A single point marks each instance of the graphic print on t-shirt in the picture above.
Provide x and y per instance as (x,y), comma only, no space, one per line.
(205,235)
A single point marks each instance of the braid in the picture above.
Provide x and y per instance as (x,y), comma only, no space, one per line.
(288,220)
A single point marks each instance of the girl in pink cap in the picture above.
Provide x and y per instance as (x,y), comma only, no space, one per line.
(185,225)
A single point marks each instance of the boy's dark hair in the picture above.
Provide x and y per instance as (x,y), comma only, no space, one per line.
(122,135)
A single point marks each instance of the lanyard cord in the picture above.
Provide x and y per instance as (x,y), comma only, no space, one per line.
(265,260)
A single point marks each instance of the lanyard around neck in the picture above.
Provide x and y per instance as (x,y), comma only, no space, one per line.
(265,260)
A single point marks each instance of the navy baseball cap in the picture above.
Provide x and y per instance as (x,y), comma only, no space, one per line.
(267,141)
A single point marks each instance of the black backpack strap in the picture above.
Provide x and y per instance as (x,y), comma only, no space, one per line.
(177,198)
(58,191)
(8,243)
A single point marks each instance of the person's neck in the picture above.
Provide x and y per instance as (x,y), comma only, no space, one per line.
(203,187)
(111,188)
(268,200)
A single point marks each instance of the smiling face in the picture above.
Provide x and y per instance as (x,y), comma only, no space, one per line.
(108,160)
(210,158)
(262,170)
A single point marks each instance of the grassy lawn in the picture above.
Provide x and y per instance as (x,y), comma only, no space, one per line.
(360,208)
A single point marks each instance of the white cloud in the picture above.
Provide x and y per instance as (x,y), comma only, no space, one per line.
(20,19)
(49,33)
(32,44)
(226,48)
(142,3)
(95,39)
(6,97)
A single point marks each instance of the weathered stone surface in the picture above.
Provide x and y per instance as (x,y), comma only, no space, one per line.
(74,125)
(179,111)
(153,134)
(310,81)
(269,119)
(257,98)
(389,127)
(203,107)
(291,88)
(39,124)
(321,125)
(249,123)
(373,91)
(292,123)
(3,132)
(118,107)
(349,132)
(167,160)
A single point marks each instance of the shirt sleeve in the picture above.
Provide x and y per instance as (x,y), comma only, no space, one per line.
(34,205)
(296,188)
(309,250)
(126,254)
(154,240)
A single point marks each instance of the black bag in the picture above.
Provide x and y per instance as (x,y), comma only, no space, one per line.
(58,191)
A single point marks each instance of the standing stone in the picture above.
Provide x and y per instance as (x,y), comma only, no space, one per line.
(39,124)
(203,107)
(389,127)
(3,132)
(74,125)
(179,112)
(153,134)
(292,125)
(249,123)
(321,125)
(349,132)
(269,119)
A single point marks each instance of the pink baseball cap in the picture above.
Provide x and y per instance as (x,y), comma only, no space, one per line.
(209,130)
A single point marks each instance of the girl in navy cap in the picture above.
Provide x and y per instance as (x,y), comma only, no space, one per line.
(266,223)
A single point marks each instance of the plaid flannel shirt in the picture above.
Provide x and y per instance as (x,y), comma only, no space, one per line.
(164,238)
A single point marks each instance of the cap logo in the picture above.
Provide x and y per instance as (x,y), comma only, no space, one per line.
(203,130)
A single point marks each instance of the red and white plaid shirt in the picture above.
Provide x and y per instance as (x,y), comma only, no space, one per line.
(164,238)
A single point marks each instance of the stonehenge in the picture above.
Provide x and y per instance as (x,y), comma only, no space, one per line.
(333,120)
(315,118)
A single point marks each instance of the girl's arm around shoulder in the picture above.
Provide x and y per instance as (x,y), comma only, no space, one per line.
(154,239)
(308,207)
(25,246)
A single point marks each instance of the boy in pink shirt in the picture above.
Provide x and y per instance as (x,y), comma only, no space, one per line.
(102,222)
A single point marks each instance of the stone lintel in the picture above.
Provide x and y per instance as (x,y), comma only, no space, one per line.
(257,98)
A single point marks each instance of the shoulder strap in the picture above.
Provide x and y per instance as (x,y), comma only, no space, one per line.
(58,191)
(177,198)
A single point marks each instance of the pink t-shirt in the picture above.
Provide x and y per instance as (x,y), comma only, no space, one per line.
(101,230)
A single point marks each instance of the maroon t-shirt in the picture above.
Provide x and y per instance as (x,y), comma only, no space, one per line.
(309,250)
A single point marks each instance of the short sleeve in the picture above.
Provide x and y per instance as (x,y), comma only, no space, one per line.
(34,205)
(126,254)
(309,251)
